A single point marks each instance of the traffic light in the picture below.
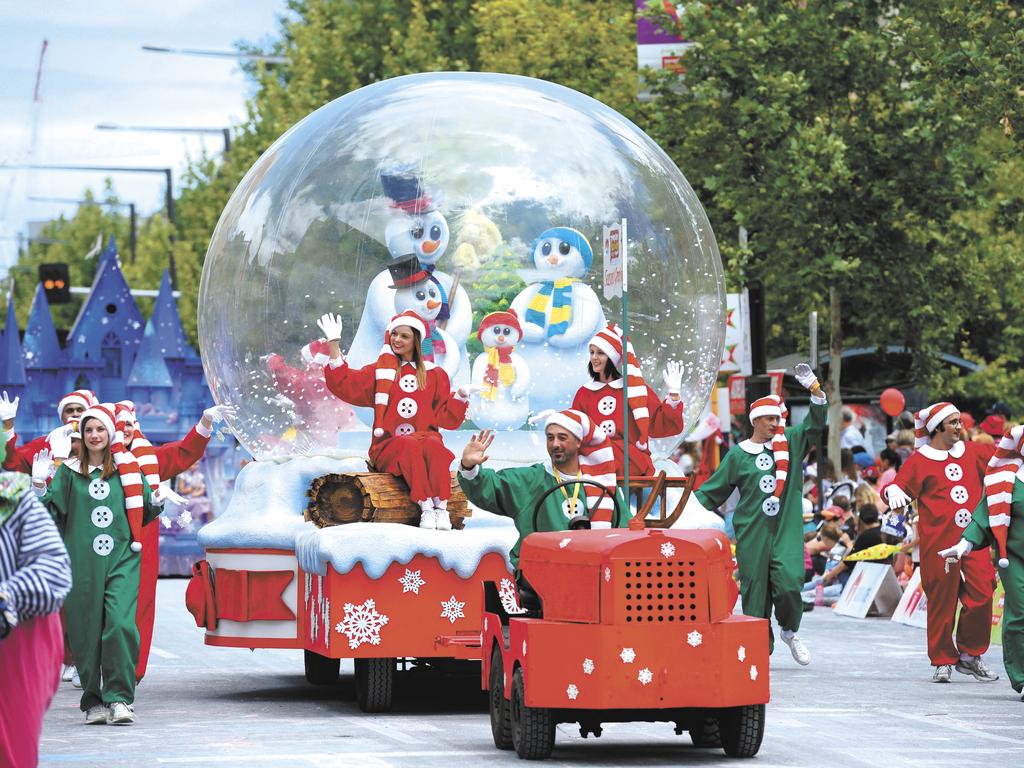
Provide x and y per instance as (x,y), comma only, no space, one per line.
(56,282)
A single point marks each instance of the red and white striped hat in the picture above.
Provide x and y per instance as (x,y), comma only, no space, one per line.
(1002,470)
(387,366)
(141,448)
(317,352)
(609,341)
(773,405)
(84,397)
(127,467)
(597,461)
(928,419)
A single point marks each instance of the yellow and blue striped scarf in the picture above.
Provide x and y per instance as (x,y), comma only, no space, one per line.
(554,300)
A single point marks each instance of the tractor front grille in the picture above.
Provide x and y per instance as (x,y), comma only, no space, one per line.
(671,591)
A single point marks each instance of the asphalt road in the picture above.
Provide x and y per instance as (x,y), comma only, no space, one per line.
(867,699)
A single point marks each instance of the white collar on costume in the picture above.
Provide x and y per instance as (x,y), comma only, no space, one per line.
(935,454)
(426,364)
(597,386)
(75,466)
(752,448)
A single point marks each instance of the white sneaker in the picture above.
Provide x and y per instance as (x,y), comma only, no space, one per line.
(800,653)
(428,519)
(121,714)
(96,715)
(441,520)
(66,673)
(942,673)
(976,667)
(75,679)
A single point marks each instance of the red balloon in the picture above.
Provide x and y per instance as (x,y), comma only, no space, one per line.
(892,401)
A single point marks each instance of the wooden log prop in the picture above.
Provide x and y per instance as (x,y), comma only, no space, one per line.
(373,497)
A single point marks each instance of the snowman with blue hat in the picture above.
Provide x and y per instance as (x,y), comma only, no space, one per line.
(560,315)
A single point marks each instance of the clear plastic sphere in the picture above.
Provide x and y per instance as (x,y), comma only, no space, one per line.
(500,186)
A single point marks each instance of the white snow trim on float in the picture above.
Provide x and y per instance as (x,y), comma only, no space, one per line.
(376,546)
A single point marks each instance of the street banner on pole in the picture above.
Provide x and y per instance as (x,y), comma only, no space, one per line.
(614,241)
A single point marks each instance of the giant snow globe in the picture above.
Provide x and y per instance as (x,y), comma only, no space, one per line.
(462,197)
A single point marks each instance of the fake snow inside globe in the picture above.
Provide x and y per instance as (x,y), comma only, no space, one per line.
(499,186)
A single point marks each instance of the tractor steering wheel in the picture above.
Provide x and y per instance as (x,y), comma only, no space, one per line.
(581,481)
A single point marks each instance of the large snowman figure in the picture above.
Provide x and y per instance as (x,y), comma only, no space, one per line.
(560,314)
(412,225)
(416,292)
(500,374)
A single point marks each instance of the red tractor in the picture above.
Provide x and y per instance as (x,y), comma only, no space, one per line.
(623,625)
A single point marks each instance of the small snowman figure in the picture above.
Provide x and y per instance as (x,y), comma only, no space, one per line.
(415,291)
(560,315)
(502,376)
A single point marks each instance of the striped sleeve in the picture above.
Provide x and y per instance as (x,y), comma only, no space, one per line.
(35,572)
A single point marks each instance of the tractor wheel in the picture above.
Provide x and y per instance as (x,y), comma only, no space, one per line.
(375,679)
(501,724)
(321,670)
(533,728)
(742,729)
(706,733)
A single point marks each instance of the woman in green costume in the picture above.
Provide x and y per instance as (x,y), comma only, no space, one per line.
(100,501)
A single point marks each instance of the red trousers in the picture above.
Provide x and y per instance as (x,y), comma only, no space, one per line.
(420,459)
(944,590)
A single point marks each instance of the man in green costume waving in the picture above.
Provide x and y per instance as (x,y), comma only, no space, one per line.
(769,515)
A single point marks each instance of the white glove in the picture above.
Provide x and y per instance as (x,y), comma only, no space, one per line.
(896,497)
(957,551)
(8,407)
(163,493)
(331,325)
(60,441)
(673,377)
(42,468)
(805,375)
(463,392)
(218,413)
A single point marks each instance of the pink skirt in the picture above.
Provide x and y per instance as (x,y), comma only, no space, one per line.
(30,659)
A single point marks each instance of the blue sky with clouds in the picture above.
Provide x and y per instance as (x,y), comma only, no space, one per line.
(95,72)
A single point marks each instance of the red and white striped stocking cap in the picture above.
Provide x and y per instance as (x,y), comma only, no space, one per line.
(609,340)
(127,468)
(1002,470)
(928,419)
(141,448)
(84,397)
(597,461)
(387,366)
(773,405)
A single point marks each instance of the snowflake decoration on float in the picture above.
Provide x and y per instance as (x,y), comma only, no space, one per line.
(741,653)
(185,519)
(753,672)
(695,638)
(524,647)
(564,543)
(451,609)
(645,676)
(411,582)
(668,549)
(509,597)
(362,623)
(628,655)
(607,574)
(572,692)
(588,666)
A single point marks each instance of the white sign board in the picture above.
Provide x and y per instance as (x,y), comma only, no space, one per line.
(736,353)
(615,257)
(871,586)
(913,607)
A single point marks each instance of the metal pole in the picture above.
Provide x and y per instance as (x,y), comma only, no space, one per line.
(624,251)
(227,140)
(131,232)
(171,268)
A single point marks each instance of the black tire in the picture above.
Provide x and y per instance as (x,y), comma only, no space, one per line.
(742,730)
(501,722)
(706,732)
(321,670)
(375,681)
(533,728)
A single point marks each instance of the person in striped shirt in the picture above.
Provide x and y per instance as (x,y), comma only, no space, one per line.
(35,577)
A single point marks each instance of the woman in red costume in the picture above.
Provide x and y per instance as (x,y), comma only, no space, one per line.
(411,400)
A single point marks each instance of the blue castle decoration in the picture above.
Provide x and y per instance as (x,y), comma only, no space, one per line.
(112,350)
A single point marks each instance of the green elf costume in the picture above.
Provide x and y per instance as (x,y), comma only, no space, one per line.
(101,521)
(768,519)
(992,524)
(513,492)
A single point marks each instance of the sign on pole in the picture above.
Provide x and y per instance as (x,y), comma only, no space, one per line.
(615,260)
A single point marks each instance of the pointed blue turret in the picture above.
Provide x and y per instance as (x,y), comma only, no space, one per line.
(150,370)
(167,323)
(13,369)
(109,253)
(40,345)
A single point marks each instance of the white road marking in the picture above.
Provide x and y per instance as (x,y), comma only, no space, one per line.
(162,653)
(347,756)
